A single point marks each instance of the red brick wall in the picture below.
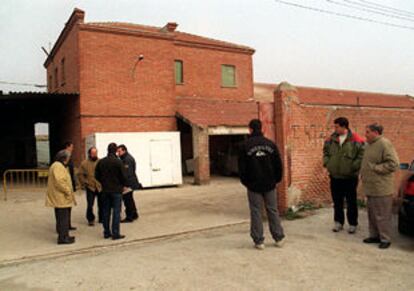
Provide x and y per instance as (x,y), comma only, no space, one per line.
(114,96)
(119,94)
(309,125)
(202,73)
(69,51)
(69,124)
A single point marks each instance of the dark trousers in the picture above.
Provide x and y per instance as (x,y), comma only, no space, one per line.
(345,189)
(111,203)
(62,222)
(256,201)
(130,207)
(90,200)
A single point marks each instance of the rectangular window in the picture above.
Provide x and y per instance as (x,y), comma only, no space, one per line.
(62,71)
(49,84)
(56,78)
(228,76)
(179,73)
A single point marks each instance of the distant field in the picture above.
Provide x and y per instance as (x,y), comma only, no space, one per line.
(42,153)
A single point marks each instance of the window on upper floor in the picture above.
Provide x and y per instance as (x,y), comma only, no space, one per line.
(49,83)
(56,78)
(62,71)
(228,76)
(179,72)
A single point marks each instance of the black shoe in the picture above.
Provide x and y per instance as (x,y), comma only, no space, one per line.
(106,236)
(135,217)
(127,220)
(66,241)
(72,228)
(384,245)
(118,237)
(372,240)
(91,223)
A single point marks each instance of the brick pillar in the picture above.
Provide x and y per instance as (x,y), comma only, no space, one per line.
(284,94)
(201,155)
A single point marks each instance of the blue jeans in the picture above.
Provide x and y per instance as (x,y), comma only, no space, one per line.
(111,201)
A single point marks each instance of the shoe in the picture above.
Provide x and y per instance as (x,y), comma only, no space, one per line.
(260,246)
(127,220)
(337,227)
(279,243)
(91,223)
(66,241)
(372,240)
(352,229)
(106,236)
(118,237)
(72,228)
(384,245)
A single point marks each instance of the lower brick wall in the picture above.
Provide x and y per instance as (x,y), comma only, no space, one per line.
(301,129)
(311,125)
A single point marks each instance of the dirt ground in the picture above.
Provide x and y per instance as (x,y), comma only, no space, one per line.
(314,258)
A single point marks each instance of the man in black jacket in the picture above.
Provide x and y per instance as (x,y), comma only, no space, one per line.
(260,169)
(131,183)
(111,174)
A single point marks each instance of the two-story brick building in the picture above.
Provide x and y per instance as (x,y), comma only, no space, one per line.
(132,77)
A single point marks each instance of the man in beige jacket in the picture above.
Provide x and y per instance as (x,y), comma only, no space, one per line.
(60,195)
(86,176)
(377,173)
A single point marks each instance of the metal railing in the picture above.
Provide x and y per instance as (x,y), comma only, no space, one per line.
(18,179)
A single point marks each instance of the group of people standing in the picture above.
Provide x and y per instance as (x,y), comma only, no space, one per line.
(348,158)
(110,181)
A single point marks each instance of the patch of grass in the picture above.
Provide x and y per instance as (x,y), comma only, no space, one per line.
(299,211)
(361,203)
(292,215)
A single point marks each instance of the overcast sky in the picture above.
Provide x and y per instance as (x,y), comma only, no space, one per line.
(292,44)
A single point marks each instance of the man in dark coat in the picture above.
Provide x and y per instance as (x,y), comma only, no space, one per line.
(260,169)
(110,173)
(131,185)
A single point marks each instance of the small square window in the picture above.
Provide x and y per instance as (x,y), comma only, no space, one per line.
(62,71)
(50,83)
(56,78)
(228,76)
(179,73)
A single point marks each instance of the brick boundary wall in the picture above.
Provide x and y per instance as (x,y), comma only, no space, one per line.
(302,127)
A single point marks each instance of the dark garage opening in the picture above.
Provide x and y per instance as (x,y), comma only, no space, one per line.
(224,151)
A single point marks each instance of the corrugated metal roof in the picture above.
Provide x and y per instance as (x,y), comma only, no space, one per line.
(15,95)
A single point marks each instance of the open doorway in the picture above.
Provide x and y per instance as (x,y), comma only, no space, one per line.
(42,144)
(224,152)
(186,139)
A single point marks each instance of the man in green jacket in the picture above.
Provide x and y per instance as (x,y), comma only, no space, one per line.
(342,156)
(377,173)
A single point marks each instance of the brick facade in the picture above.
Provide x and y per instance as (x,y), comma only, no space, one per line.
(304,119)
(121,92)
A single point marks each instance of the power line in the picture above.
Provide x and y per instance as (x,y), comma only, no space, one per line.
(23,84)
(387,7)
(343,15)
(370,10)
(381,8)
